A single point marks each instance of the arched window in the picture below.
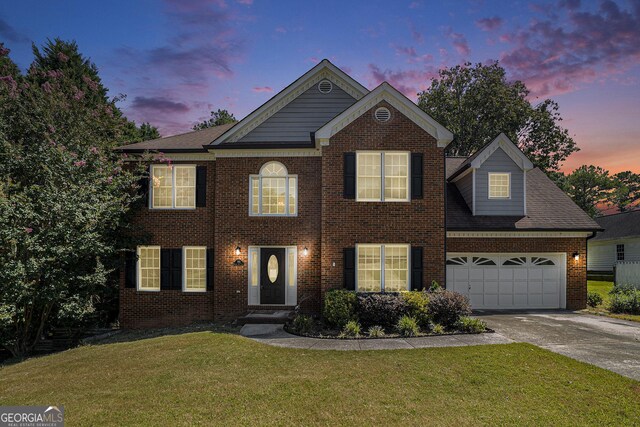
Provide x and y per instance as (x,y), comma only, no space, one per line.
(273,191)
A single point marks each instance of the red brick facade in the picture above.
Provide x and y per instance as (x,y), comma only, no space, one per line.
(326,224)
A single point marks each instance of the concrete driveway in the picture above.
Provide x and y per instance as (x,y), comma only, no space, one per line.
(602,341)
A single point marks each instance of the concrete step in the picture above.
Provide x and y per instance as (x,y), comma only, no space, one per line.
(257,317)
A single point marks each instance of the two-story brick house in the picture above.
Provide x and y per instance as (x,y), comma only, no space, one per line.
(330,185)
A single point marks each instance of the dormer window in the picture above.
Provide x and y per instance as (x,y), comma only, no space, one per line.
(499,185)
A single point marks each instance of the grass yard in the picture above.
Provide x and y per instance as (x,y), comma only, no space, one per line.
(603,289)
(224,379)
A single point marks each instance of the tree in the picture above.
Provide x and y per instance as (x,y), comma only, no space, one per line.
(626,191)
(220,117)
(148,132)
(477,103)
(64,199)
(588,186)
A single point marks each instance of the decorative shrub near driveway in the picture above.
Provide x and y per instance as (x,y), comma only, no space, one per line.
(347,314)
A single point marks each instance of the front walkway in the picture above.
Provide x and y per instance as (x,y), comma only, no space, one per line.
(276,336)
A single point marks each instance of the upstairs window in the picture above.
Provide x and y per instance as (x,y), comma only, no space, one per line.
(620,252)
(273,191)
(173,187)
(382,176)
(499,185)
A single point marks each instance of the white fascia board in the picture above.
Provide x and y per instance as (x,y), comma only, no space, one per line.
(385,92)
(323,70)
(502,141)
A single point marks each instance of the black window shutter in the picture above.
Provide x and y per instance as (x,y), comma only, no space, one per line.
(201,186)
(416,175)
(176,269)
(144,186)
(349,175)
(130,270)
(210,269)
(350,268)
(165,269)
(416,269)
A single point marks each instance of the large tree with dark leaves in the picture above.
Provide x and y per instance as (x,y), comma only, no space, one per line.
(477,102)
(219,117)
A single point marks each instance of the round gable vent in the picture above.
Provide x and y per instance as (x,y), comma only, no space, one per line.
(325,86)
(382,114)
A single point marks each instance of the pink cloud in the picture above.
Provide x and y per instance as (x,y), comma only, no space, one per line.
(409,82)
(246,2)
(459,42)
(489,24)
(263,89)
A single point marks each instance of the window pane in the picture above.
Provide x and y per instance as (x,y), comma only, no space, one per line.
(185,186)
(254,267)
(499,185)
(195,269)
(273,195)
(255,195)
(396,176)
(162,180)
(293,190)
(292,266)
(396,268)
(369,269)
(369,175)
(273,169)
(149,268)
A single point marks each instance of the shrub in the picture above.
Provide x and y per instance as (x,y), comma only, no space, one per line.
(302,324)
(438,329)
(593,299)
(351,329)
(446,307)
(471,325)
(628,303)
(622,289)
(417,306)
(408,326)
(376,331)
(339,307)
(380,309)
(434,286)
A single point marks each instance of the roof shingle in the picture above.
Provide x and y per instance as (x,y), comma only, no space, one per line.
(619,225)
(186,142)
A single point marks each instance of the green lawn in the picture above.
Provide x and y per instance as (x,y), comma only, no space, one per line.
(217,378)
(603,289)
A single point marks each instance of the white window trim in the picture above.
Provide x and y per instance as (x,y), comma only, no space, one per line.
(184,269)
(489,174)
(286,194)
(382,257)
(139,268)
(382,198)
(173,188)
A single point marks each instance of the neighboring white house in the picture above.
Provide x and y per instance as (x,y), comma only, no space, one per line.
(620,241)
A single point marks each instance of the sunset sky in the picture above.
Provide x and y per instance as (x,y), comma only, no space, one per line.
(177,60)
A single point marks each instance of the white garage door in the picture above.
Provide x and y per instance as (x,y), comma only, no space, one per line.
(509,281)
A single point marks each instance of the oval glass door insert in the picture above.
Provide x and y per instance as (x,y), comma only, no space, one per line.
(272,268)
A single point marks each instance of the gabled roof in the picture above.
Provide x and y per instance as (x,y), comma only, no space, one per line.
(480,156)
(548,208)
(619,226)
(385,92)
(190,142)
(324,69)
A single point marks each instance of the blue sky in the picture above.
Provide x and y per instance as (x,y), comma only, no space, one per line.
(177,60)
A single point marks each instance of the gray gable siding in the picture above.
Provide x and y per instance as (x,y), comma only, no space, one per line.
(465,186)
(305,114)
(499,162)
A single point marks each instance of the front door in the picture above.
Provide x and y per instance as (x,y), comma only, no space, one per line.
(272,272)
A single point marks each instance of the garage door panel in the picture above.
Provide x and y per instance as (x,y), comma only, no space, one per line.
(534,282)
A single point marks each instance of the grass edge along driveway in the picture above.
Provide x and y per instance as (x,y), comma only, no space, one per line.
(219,378)
(603,288)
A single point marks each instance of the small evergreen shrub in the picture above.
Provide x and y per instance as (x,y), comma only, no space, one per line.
(380,309)
(302,324)
(438,329)
(447,307)
(471,325)
(625,302)
(622,289)
(417,306)
(339,307)
(408,326)
(376,331)
(593,299)
(351,329)
(435,286)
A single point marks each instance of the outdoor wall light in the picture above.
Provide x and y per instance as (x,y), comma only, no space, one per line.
(305,251)
(238,262)
(237,250)
(576,256)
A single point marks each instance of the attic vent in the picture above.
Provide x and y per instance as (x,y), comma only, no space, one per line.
(382,114)
(325,86)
